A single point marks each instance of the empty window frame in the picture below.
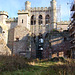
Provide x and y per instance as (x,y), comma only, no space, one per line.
(47,19)
(33,20)
(40,20)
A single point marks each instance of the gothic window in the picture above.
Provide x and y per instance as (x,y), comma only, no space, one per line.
(40,21)
(47,19)
(33,20)
(0,29)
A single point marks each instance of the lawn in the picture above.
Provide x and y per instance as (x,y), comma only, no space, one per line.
(21,66)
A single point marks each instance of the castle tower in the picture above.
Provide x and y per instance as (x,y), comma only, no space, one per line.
(3,17)
(53,14)
(27,5)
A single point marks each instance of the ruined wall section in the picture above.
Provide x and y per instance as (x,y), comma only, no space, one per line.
(10,38)
(62,25)
(4,50)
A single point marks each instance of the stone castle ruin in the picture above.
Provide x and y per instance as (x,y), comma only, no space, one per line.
(16,32)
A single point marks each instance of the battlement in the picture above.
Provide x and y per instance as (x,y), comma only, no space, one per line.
(40,8)
(23,12)
(3,13)
(12,19)
(64,22)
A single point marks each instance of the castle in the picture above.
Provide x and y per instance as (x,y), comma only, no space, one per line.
(15,31)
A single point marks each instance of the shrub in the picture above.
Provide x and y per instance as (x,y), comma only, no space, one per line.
(54,30)
(61,59)
(55,59)
(12,63)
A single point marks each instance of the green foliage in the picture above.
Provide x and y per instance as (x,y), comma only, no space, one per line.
(54,30)
(61,59)
(56,59)
(19,66)
(12,63)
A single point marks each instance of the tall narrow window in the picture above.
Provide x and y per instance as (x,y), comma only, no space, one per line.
(33,20)
(40,20)
(0,29)
(22,20)
(47,19)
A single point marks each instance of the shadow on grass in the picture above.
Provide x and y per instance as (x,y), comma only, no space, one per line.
(39,70)
(19,66)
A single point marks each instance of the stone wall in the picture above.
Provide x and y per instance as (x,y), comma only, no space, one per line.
(10,38)
(11,25)
(62,25)
(58,46)
(20,32)
(4,50)
(4,32)
(19,41)
(24,18)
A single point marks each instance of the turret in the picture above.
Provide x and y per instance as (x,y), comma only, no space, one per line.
(27,5)
(53,13)
(3,17)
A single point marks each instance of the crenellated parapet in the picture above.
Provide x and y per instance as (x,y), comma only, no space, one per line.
(23,12)
(12,20)
(3,13)
(40,8)
(63,22)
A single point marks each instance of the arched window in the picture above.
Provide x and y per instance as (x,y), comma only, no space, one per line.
(40,20)
(47,19)
(0,29)
(33,20)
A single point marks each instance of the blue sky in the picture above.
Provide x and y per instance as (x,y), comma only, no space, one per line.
(12,6)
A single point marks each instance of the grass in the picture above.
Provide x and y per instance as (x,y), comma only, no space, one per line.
(21,66)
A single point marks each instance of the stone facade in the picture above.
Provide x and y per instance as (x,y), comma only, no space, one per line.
(17,31)
(4,32)
(58,46)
